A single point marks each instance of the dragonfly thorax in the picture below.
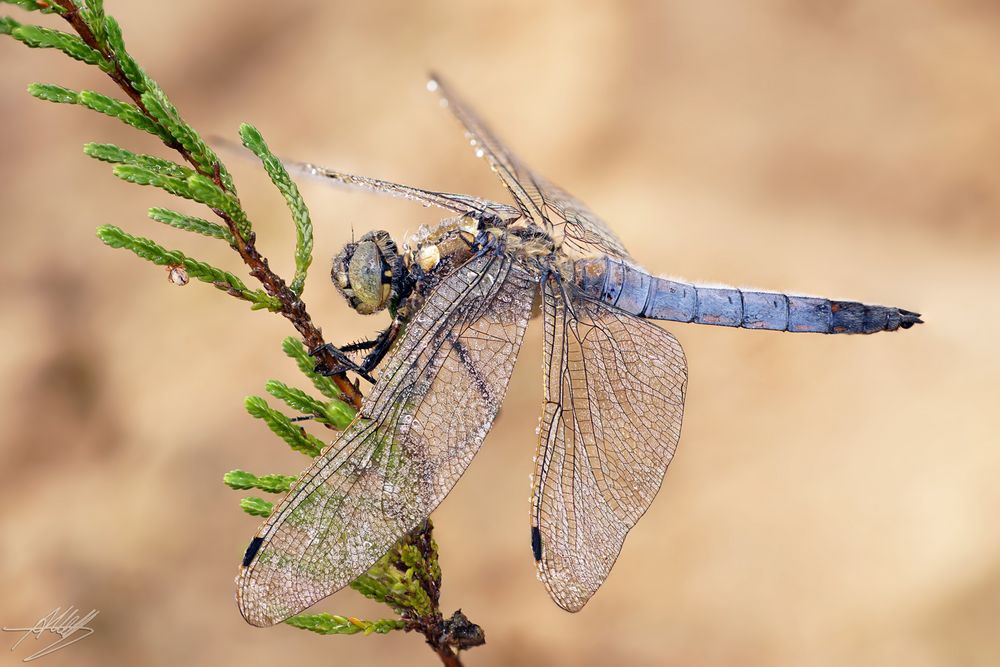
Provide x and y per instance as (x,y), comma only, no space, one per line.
(452,238)
(368,273)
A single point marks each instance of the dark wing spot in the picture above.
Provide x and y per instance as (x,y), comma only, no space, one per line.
(252,550)
(536,543)
(477,377)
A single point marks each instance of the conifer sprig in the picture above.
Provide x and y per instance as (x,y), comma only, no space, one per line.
(253,140)
(202,177)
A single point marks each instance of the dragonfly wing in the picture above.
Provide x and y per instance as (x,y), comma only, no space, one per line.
(413,438)
(573,226)
(583,234)
(614,400)
(459,203)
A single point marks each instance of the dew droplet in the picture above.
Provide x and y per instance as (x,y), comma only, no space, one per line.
(178,275)
(432,85)
(480,152)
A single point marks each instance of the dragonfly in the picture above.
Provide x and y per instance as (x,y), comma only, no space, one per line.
(460,296)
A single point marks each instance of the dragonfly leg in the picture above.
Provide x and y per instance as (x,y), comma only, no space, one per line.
(379,347)
(344,363)
(360,345)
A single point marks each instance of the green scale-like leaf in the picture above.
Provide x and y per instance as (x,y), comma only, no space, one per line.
(242,480)
(116,155)
(38,37)
(135,75)
(151,251)
(195,187)
(53,93)
(123,111)
(295,398)
(329,624)
(7,25)
(256,506)
(156,102)
(190,223)
(334,413)
(93,15)
(33,6)
(253,140)
(127,113)
(284,428)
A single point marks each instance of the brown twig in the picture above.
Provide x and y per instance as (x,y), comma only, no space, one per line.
(292,307)
(446,637)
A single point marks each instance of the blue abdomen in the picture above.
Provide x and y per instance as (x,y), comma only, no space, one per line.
(633,290)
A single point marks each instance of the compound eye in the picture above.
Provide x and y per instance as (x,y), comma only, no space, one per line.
(339,271)
(366,271)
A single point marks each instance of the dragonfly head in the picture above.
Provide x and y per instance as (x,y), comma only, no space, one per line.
(368,272)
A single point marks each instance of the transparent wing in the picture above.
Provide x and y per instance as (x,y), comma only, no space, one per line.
(459,203)
(614,399)
(573,226)
(413,438)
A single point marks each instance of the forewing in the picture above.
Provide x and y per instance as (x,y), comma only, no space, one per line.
(413,438)
(614,400)
(459,203)
(573,226)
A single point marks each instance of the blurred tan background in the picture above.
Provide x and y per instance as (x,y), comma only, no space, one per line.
(834,500)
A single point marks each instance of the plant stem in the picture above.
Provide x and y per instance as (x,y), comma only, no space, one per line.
(443,636)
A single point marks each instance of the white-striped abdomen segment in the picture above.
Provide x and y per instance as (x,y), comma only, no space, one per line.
(635,291)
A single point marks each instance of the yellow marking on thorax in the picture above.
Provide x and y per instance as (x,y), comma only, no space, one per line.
(429,245)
